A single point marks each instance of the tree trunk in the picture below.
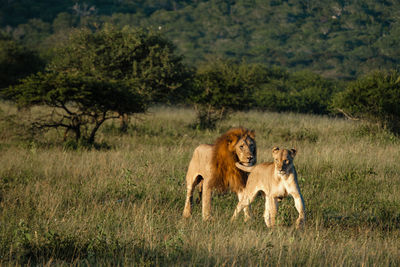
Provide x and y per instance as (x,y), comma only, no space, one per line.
(94,130)
(124,120)
(77,130)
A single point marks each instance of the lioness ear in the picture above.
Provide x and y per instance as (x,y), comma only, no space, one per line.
(293,152)
(275,149)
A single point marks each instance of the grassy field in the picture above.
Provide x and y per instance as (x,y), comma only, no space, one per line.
(122,204)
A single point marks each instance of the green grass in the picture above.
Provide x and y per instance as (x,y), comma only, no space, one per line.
(121,204)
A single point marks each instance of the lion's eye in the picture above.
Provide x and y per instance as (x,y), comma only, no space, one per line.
(241,147)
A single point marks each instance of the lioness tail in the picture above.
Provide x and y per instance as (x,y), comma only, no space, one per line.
(244,168)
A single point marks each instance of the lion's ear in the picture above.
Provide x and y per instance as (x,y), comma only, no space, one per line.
(293,152)
(232,140)
(252,134)
(275,149)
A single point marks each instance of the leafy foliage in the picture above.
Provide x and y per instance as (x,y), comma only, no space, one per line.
(374,97)
(143,59)
(303,92)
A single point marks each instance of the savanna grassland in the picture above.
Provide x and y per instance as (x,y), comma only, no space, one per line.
(121,204)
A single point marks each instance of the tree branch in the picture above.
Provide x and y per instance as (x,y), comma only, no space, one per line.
(65,108)
(348,116)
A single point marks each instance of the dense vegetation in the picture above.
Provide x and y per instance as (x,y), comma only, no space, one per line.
(339,39)
(122,204)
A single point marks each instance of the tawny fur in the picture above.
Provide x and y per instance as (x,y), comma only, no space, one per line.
(213,167)
(275,180)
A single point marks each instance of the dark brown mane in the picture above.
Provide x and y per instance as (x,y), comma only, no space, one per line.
(225,174)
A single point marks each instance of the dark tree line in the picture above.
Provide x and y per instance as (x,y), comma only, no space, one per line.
(96,75)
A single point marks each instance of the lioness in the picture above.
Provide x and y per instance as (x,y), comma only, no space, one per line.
(213,167)
(276,180)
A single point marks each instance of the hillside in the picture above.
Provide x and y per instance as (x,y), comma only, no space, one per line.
(338,39)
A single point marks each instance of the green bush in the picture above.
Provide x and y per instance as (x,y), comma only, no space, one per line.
(374,98)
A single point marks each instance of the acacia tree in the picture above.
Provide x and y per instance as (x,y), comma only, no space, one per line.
(102,75)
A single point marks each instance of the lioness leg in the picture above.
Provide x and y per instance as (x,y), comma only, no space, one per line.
(271,209)
(246,209)
(246,199)
(191,184)
(299,204)
(243,203)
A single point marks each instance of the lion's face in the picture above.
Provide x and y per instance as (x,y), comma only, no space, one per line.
(246,151)
(283,159)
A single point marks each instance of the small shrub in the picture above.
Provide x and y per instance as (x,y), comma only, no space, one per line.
(208,117)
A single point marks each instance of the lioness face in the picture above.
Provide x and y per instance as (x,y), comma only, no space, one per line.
(246,151)
(283,159)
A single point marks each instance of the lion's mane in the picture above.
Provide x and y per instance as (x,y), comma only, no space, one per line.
(225,174)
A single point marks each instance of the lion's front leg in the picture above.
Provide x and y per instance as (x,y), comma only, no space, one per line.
(206,201)
(187,211)
(191,182)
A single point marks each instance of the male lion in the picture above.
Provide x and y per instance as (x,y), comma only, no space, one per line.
(213,167)
(276,180)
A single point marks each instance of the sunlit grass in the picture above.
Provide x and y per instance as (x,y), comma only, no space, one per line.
(122,204)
